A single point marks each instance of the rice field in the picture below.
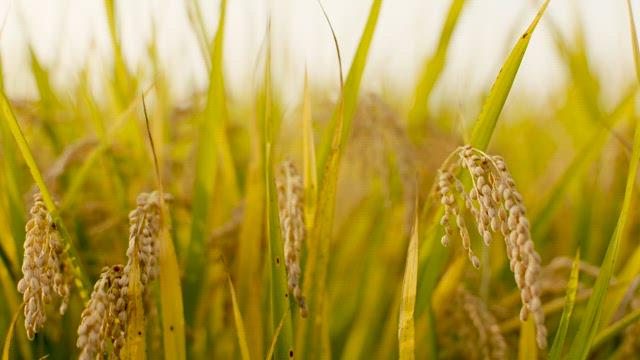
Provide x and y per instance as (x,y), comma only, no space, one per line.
(350,225)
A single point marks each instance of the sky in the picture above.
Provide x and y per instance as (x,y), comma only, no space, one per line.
(67,34)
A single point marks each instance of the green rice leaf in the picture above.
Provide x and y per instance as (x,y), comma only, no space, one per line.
(344,113)
(591,318)
(206,172)
(431,71)
(569,302)
(632,266)
(486,123)
(615,328)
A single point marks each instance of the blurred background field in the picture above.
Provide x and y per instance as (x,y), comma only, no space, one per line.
(218,92)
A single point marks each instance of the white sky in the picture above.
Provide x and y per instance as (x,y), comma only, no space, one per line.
(68,33)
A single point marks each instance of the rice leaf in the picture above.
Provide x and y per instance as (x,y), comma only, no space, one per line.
(249,257)
(106,140)
(544,214)
(431,71)
(632,266)
(274,339)
(207,155)
(81,281)
(448,284)
(406,329)
(615,328)
(9,336)
(569,302)
(309,157)
(320,236)
(591,319)
(280,299)
(172,309)
(527,347)
(486,123)
(135,345)
(344,116)
(237,316)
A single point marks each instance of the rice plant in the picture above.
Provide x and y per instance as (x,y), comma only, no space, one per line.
(349,224)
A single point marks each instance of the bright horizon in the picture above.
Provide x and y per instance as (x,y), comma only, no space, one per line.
(69,33)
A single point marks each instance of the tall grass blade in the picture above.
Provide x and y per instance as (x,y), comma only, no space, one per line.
(632,266)
(615,328)
(591,319)
(527,348)
(569,302)
(344,116)
(406,328)
(544,214)
(9,336)
(81,281)
(431,71)
(172,309)
(207,155)
(274,339)
(448,284)
(486,123)
(237,317)
(135,345)
(280,299)
(309,157)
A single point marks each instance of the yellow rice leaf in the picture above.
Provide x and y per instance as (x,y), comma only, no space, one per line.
(9,336)
(527,347)
(237,316)
(448,284)
(406,327)
(274,339)
(309,160)
(135,345)
(172,309)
